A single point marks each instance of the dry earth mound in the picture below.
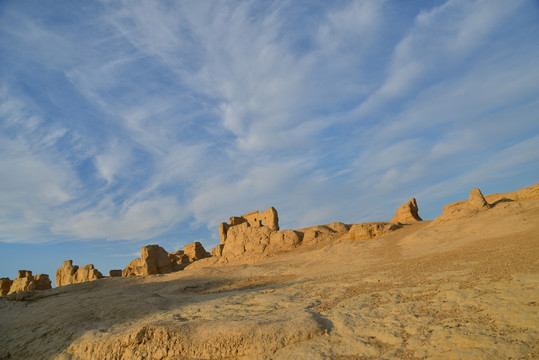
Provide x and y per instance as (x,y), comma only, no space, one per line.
(407,213)
(463,289)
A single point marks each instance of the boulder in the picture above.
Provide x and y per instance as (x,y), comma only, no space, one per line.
(115,273)
(5,285)
(154,260)
(407,213)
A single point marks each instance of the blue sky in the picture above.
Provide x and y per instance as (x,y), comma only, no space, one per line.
(126,123)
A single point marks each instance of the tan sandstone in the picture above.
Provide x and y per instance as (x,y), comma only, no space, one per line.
(407,213)
(465,289)
(26,282)
(5,285)
(153,260)
(72,274)
(115,273)
(195,251)
(255,233)
(65,274)
(367,231)
(320,234)
(467,208)
(43,282)
(179,260)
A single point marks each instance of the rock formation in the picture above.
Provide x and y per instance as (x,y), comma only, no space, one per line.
(26,282)
(115,273)
(72,274)
(156,260)
(87,273)
(254,219)
(367,231)
(65,274)
(179,260)
(476,203)
(529,193)
(195,251)
(407,213)
(218,250)
(323,233)
(153,260)
(43,282)
(5,285)
(255,233)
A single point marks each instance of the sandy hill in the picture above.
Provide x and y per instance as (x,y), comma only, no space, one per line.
(465,286)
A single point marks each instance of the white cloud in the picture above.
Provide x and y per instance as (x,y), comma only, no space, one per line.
(202,110)
(137,221)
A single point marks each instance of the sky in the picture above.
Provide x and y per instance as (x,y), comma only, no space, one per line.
(127,123)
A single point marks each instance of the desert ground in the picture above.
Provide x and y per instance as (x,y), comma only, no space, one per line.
(466,288)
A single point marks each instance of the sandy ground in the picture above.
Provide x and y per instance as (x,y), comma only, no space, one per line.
(466,289)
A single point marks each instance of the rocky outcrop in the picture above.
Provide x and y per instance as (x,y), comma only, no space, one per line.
(153,260)
(255,233)
(407,213)
(217,251)
(72,274)
(115,273)
(467,208)
(323,233)
(255,219)
(26,282)
(156,260)
(5,285)
(368,231)
(87,273)
(528,193)
(65,274)
(195,251)
(477,201)
(43,282)
(179,260)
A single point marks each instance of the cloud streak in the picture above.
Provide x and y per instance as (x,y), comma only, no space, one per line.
(139,121)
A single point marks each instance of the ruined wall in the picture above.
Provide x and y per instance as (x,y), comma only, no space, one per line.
(72,274)
(255,233)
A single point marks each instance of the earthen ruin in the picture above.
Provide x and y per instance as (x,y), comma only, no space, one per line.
(156,260)
(72,274)
(476,203)
(26,282)
(407,213)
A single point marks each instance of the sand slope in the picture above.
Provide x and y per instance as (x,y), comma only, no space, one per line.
(465,289)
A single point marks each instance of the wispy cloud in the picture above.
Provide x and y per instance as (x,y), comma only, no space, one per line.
(142,118)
